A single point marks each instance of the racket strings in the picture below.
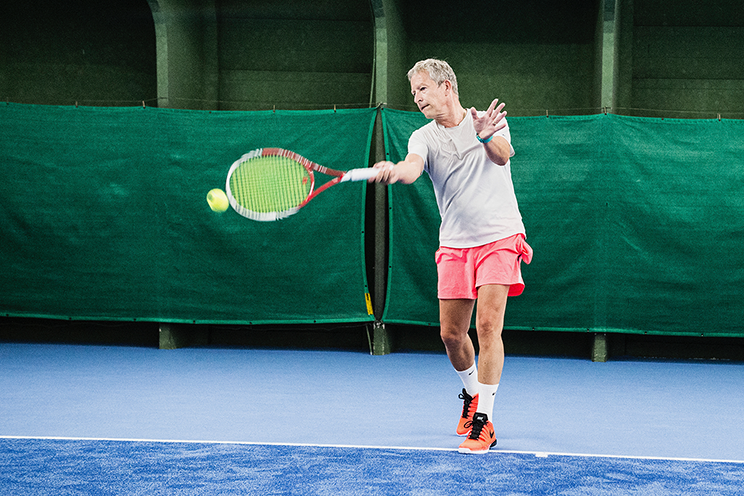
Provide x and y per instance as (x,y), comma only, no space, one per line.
(269,184)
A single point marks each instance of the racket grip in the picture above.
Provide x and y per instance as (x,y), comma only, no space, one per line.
(360,174)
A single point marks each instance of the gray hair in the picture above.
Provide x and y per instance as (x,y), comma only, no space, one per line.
(439,71)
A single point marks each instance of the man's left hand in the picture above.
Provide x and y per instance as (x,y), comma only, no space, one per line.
(491,122)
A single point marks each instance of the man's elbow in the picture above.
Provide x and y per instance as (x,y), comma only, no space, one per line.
(409,177)
(499,152)
(499,159)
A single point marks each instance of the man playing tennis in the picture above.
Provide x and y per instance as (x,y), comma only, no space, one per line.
(482,239)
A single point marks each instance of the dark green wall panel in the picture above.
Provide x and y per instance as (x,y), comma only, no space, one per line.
(687,59)
(674,59)
(532,55)
(100,53)
(297,55)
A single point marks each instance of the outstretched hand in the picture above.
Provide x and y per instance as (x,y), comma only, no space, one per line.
(387,174)
(491,122)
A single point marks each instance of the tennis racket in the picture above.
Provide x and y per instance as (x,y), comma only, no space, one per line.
(271,183)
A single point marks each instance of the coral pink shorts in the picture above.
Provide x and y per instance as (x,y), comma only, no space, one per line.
(463,270)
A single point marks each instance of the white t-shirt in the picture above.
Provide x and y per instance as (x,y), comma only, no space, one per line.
(475,196)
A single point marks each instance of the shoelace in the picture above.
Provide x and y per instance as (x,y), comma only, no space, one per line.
(477,426)
(466,405)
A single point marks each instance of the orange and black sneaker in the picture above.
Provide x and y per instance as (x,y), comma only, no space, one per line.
(469,405)
(482,436)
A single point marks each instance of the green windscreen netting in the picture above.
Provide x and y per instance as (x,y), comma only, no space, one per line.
(103,216)
(637,226)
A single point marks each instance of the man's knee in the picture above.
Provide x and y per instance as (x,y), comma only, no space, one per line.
(489,334)
(490,327)
(453,336)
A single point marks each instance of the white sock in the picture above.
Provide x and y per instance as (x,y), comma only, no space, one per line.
(486,398)
(469,379)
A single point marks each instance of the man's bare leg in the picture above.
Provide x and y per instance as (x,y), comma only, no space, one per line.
(454,319)
(489,324)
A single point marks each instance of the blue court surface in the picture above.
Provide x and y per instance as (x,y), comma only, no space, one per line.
(80,419)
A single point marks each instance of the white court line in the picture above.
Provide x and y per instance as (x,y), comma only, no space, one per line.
(538,454)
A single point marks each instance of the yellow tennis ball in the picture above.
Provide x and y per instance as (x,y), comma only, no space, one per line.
(217,200)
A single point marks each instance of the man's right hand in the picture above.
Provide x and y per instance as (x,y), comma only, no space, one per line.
(387,174)
(406,171)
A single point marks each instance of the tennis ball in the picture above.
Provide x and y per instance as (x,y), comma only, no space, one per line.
(217,200)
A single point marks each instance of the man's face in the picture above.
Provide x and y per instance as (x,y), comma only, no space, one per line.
(428,96)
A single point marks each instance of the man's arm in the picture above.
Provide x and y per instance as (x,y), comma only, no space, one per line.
(498,150)
(405,171)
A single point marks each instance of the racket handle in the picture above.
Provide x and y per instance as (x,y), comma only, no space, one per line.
(360,174)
